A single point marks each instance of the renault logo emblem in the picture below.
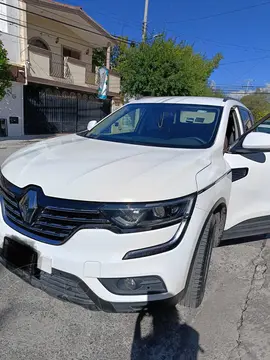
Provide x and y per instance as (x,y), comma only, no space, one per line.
(28,206)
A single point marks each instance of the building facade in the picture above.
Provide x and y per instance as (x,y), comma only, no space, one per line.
(50,46)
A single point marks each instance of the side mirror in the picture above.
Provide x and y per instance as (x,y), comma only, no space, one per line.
(257,141)
(91,124)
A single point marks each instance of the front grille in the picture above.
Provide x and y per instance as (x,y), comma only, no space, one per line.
(55,219)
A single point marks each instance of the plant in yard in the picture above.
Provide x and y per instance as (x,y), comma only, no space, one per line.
(162,67)
(5,74)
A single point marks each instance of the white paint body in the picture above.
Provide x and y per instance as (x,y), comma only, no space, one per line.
(254,139)
(74,167)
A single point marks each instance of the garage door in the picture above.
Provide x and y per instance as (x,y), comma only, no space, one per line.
(49,110)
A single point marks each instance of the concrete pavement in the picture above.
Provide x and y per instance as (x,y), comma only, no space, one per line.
(232,323)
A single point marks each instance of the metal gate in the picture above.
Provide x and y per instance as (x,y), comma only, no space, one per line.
(50,110)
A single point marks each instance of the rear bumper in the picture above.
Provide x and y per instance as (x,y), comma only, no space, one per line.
(70,288)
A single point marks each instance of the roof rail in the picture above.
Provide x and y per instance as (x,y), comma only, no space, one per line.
(228,98)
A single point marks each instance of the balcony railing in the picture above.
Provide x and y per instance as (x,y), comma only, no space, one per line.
(44,64)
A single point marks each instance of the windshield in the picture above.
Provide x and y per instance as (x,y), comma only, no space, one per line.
(163,125)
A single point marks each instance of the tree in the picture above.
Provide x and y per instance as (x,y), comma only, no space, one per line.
(258,103)
(162,67)
(118,51)
(99,57)
(5,74)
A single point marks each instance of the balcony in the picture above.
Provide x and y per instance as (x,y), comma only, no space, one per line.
(53,69)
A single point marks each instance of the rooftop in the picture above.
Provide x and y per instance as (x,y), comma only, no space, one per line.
(75,15)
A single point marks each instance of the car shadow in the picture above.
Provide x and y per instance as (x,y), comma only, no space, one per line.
(169,339)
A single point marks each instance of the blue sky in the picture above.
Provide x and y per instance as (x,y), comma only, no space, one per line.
(241,36)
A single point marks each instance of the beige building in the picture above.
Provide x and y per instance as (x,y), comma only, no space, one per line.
(53,56)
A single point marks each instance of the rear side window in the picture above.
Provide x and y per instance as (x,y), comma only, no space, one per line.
(246,117)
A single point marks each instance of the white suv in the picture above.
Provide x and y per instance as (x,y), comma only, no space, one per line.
(126,214)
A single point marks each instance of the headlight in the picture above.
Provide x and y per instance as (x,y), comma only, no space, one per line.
(142,217)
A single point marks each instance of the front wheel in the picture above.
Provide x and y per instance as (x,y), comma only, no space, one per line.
(200,265)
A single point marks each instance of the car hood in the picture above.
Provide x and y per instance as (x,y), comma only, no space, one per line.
(75,167)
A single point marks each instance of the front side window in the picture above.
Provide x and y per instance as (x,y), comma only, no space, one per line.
(164,125)
(246,118)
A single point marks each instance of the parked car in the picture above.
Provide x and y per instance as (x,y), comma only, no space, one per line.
(122,219)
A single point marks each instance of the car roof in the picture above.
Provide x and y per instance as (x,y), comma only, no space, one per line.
(194,100)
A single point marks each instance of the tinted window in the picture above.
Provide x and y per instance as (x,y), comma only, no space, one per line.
(166,125)
(246,118)
(264,127)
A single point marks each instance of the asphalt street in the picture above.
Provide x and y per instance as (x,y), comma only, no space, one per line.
(232,323)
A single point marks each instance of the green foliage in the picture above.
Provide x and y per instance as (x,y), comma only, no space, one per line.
(118,51)
(162,67)
(99,57)
(5,75)
(214,93)
(258,103)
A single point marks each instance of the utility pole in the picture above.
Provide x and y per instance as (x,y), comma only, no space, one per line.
(145,20)
(249,82)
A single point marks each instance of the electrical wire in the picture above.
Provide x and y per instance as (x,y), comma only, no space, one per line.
(26,25)
(99,12)
(108,36)
(221,13)
(243,61)
(115,37)
(51,52)
(95,44)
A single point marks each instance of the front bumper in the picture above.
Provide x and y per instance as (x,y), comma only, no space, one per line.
(72,271)
(68,287)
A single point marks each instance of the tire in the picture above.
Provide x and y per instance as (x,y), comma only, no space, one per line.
(200,265)
(220,225)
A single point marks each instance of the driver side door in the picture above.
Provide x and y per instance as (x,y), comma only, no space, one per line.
(248,212)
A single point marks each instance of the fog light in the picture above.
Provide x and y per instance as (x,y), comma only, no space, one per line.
(130,283)
(142,285)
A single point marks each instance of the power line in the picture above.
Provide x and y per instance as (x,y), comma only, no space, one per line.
(91,43)
(77,22)
(243,61)
(244,92)
(115,37)
(24,38)
(67,24)
(221,13)
(218,43)
(236,86)
(120,21)
(37,27)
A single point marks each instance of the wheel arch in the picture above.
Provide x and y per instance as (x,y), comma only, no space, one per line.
(219,206)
